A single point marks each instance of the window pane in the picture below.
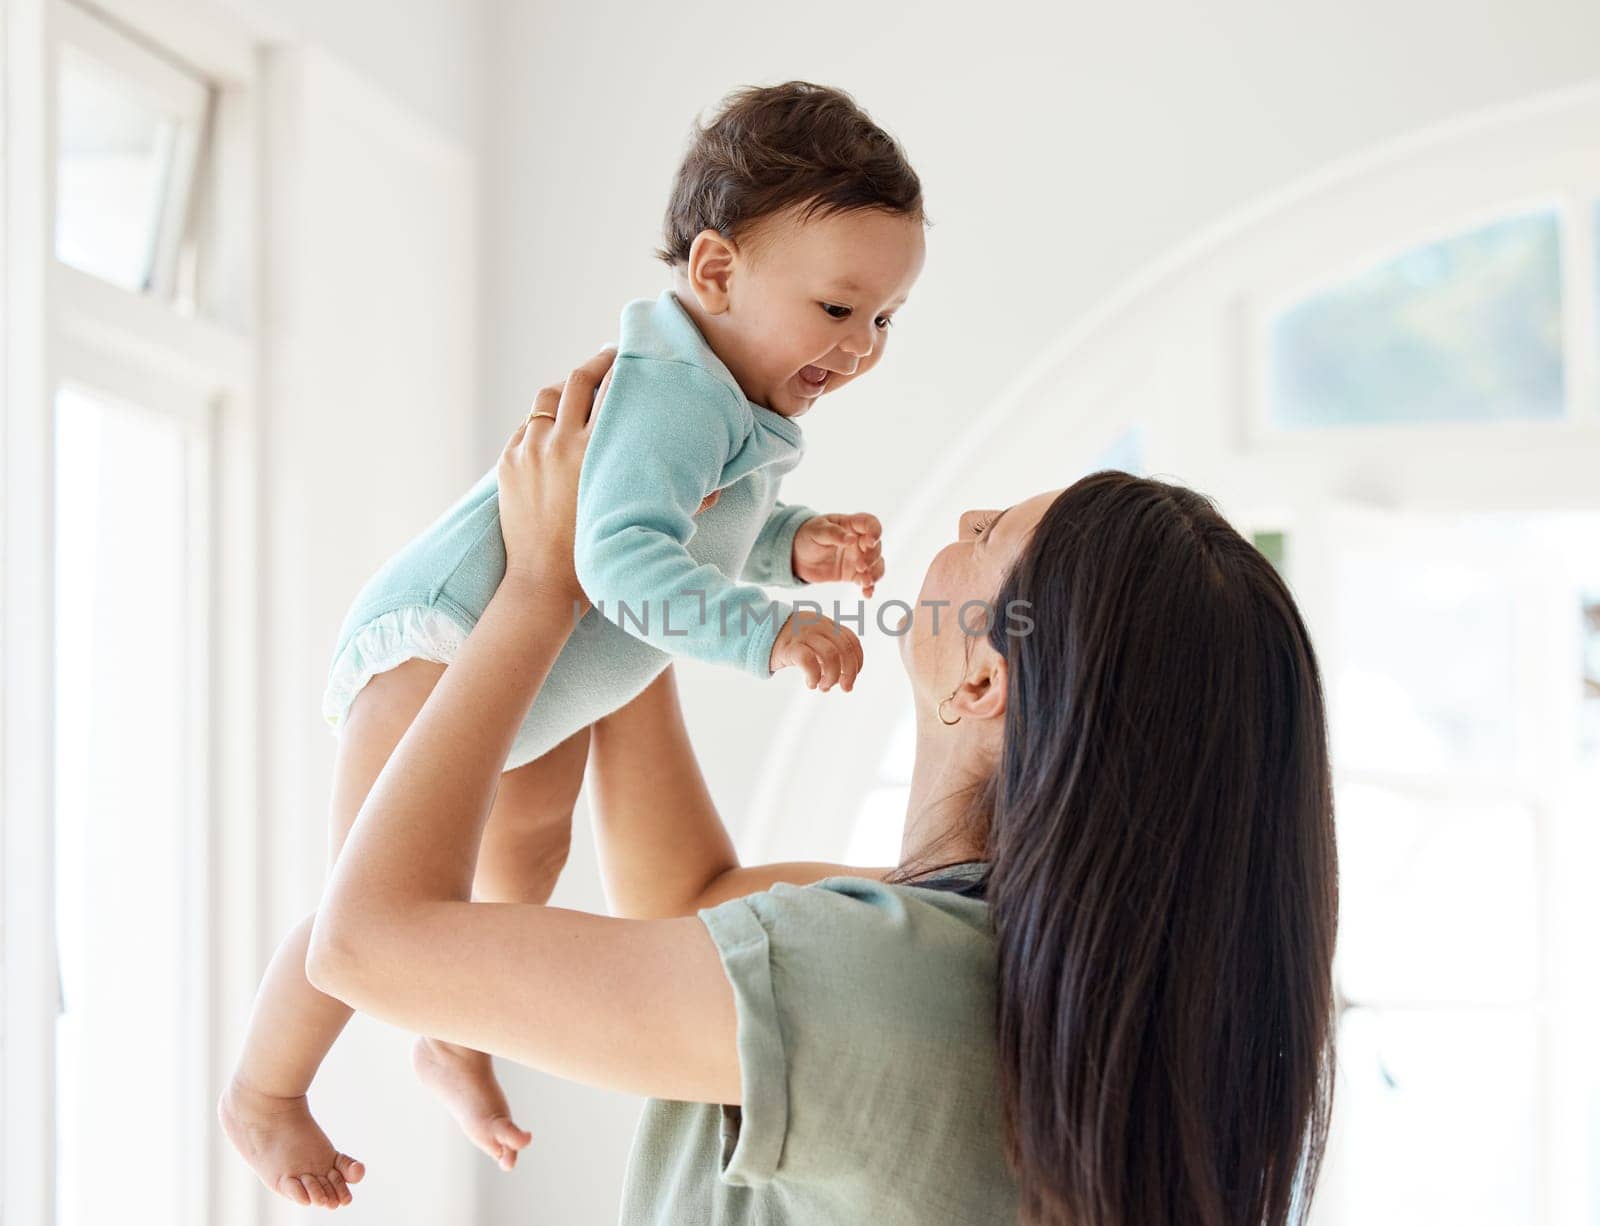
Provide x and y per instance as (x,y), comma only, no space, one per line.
(1464,329)
(1274,546)
(122,790)
(1437,902)
(114,159)
(1435,1119)
(1426,681)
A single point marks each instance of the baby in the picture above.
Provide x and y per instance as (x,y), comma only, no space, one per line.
(794,232)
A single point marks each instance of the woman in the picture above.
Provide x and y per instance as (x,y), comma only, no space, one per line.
(1096,991)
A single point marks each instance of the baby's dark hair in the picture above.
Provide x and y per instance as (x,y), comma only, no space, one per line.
(773,147)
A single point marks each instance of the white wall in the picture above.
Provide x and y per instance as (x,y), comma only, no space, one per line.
(1063,147)
(425,54)
(369,374)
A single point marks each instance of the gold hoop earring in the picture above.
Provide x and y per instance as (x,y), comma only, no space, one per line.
(948,723)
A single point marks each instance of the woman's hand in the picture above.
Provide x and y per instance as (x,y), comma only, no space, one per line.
(538,476)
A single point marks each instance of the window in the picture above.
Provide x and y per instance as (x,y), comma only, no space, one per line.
(129,128)
(1465,957)
(1464,329)
(129,373)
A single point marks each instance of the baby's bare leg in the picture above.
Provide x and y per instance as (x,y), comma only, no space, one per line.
(524,847)
(529,833)
(292,1025)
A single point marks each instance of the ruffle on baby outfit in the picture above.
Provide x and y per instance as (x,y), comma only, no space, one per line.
(415,632)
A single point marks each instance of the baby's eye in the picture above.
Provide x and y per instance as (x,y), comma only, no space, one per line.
(883,322)
(836,312)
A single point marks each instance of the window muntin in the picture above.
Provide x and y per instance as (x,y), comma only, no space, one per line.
(1464,329)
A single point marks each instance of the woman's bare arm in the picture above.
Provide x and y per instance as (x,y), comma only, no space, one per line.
(663,849)
(636,1005)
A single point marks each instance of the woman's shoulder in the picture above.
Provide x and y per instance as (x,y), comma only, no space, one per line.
(877,942)
(955,892)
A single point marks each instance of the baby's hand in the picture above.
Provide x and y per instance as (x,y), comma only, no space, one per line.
(827,651)
(839,548)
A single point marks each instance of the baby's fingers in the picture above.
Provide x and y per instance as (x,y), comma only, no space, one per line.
(865,525)
(827,653)
(842,659)
(803,658)
(854,658)
(869,576)
(861,556)
(828,530)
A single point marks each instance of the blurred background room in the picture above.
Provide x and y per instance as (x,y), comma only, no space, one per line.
(279,276)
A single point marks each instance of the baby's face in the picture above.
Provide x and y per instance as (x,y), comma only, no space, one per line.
(811,302)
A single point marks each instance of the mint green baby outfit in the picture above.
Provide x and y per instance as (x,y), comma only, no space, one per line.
(664,581)
(868,1068)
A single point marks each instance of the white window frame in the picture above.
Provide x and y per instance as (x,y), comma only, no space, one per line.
(171,91)
(1453,190)
(59,325)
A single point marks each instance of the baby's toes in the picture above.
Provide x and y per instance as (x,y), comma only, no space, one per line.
(341,1191)
(330,1198)
(312,1190)
(290,1186)
(510,1136)
(313,1187)
(350,1168)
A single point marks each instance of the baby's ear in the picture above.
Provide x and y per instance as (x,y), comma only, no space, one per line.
(711,260)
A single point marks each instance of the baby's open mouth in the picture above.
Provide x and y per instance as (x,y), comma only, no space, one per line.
(812,379)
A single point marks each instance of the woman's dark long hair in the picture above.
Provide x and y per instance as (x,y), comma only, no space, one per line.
(1163,877)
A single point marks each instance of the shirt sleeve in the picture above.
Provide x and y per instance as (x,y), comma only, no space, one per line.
(659,448)
(771,560)
(762,1121)
(846,994)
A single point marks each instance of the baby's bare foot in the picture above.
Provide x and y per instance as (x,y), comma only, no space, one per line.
(465,1080)
(285,1147)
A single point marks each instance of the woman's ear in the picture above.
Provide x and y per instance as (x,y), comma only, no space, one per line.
(711,260)
(983,694)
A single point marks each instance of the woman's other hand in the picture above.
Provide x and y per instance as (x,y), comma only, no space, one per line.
(538,476)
